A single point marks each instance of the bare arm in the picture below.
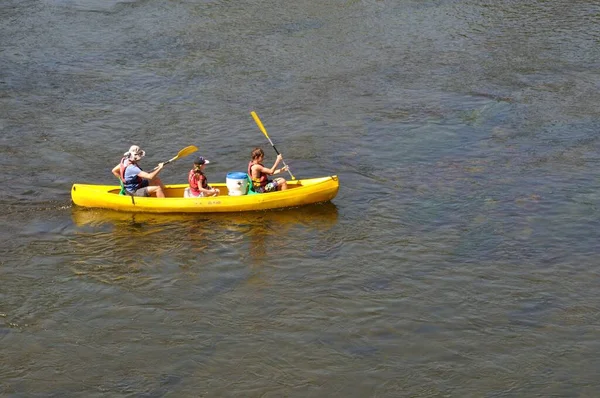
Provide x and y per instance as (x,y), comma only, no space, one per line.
(272,170)
(153,173)
(209,191)
(117,171)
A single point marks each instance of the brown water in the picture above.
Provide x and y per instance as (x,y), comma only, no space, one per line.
(458,259)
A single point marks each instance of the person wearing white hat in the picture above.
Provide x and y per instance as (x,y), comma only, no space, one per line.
(136,181)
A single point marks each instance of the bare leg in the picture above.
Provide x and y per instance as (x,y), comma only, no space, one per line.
(156,186)
(281,184)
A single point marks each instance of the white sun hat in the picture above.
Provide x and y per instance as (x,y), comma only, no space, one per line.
(135,153)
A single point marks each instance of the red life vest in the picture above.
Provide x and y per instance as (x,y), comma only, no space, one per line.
(125,163)
(197,180)
(262,179)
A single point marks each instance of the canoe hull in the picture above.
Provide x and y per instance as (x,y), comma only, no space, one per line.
(299,193)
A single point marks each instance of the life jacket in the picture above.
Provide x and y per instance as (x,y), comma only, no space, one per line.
(195,178)
(262,180)
(133,182)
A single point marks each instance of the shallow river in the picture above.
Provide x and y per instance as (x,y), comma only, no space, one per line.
(460,257)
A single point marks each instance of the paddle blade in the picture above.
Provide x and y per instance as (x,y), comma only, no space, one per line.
(188,150)
(259,124)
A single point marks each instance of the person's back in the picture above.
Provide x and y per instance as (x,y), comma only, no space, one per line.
(129,175)
(136,181)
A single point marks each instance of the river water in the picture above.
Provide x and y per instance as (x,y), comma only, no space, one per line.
(460,257)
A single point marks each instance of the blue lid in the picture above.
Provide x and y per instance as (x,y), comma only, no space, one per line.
(237,175)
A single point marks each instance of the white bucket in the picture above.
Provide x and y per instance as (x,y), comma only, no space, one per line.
(237,183)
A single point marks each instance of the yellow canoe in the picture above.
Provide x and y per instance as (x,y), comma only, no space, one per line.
(299,193)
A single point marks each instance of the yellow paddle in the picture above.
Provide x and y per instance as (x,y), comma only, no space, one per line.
(264,131)
(188,150)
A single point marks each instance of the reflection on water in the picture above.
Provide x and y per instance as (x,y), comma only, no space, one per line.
(108,242)
(320,214)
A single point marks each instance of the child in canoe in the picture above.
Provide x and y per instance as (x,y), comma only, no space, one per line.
(136,181)
(198,183)
(259,174)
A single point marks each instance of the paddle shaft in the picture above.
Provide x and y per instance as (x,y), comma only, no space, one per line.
(282,161)
(171,160)
(264,131)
